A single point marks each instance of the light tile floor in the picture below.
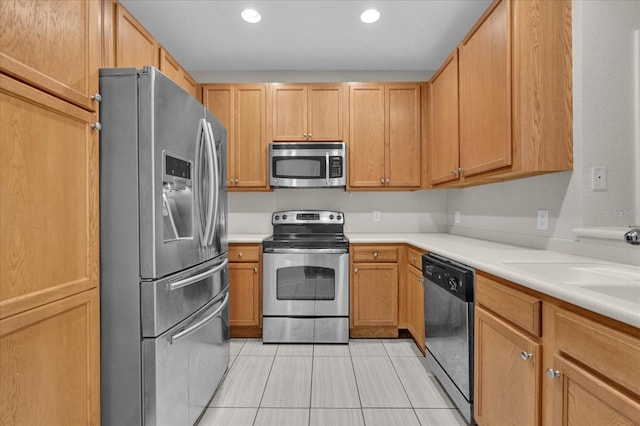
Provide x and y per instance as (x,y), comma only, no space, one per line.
(368,382)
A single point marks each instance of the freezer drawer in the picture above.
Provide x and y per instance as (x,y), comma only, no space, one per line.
(183,367)
(168,301)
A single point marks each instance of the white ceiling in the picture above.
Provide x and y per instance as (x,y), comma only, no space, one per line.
(318,35)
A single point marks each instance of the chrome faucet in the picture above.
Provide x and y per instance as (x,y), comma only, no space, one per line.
(633,237)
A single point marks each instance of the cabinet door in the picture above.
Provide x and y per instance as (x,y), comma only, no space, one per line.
(444,143)
(49,198)
(375,295)
(415,304)
(49,363)
(189,85)
(219,99)
(326,112)
(402,135)
(169,66)
(581,398)
(366,135)
(53,45)
(244,283)
(507,373)
(289,111)
(250,137)
(485,94)
(135,47)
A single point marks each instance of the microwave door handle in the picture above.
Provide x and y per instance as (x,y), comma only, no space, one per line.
(327,167)
(194,279)
(200,324)
(214,185)
(197,181)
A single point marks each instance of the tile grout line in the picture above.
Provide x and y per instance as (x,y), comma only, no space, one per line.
(265,385)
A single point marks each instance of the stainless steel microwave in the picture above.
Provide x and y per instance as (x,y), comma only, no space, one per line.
(308,165)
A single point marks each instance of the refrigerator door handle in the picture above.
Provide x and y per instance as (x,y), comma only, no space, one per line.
(197,182)
(194,279)
(210,149)
(214,184)
(187,331)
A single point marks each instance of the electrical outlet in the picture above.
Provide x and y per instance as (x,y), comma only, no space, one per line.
(598,178)
(456,217)
(376,216)
(542,223)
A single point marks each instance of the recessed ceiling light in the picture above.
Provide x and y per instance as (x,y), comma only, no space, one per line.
(370,16)
(251,15)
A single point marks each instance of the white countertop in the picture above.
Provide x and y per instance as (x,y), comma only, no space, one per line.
(497,259)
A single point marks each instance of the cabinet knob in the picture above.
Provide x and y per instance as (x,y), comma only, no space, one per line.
(97,126)
(239,254)
(255,270)
(355,270)
(230,181)
(525,356)
(387,180)
(421,280)
(375,254)
(413,259)
(309,135)
(454,171)
(382,181)
(553,374)
(96,97)
(460,169)
(236,180)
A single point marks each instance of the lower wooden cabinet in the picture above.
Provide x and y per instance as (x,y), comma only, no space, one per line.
(245,282)
(507,379)
(582,398)
(374,291)
(541,361)
(415,306)
(50,363)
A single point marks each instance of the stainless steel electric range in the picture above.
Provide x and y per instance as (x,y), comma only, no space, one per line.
(306,278)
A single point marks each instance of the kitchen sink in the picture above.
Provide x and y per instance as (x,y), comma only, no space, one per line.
(619,281)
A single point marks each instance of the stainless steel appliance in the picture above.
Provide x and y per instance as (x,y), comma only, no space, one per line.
(306,278)
(308,165)
(448,324)
(164,265)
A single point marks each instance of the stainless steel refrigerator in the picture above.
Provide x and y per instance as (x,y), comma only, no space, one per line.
(163,240)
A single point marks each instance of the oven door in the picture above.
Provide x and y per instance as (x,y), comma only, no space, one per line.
(305,283)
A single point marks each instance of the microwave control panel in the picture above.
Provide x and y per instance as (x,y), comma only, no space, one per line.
(335,167)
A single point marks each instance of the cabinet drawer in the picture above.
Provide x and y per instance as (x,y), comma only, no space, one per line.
(612,353)
(414,257)
(521,309)
(244,253)
(375,254)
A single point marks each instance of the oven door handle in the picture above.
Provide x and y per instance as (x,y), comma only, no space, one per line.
(309,251)
(184,333)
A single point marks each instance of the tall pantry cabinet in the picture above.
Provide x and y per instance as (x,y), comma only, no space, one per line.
(49,260)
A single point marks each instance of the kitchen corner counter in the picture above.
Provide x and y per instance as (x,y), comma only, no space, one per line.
(246,238)
(507,261)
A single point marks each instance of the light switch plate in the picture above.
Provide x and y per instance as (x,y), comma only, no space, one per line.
(456,217)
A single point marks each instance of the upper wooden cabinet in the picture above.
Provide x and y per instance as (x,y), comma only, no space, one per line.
(307,112)
(172,69)
(242,110)
(53,45)
(134,45)
(444,151)
(384,135)
(516,115)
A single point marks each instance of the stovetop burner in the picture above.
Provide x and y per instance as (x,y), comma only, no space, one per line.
(307,229)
